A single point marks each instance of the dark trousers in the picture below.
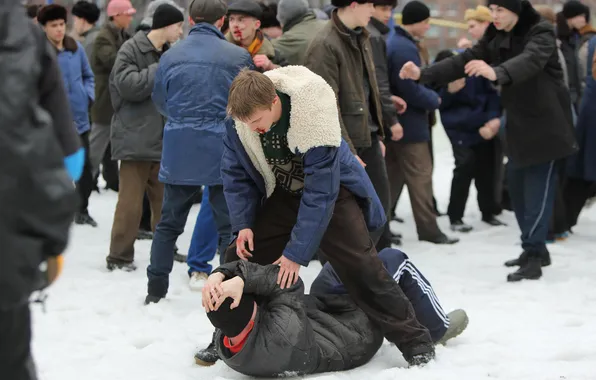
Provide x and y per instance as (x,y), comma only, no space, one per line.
(16,362)
(109,169)
(85,184)
(177,202)
(145,223)
(413,283)
(577,192)
(473,163)
(558,222)
(532,191)
(377,172)
(137,178)
(350,250)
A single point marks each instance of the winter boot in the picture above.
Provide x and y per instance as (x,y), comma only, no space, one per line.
(524,257)
(83,218)
(420,355)
(207,356)
(530,270)
(144,235)
(458,321)
(491,220)
(152,299)
(126,267)
(460,226)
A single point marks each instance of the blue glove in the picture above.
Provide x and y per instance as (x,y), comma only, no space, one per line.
(74,164)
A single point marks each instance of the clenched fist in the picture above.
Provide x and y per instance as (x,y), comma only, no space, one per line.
(410,71)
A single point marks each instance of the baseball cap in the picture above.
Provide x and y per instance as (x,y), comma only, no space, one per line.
(207,11)
(120,7)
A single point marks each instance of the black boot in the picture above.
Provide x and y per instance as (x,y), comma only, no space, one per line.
(491,220)
(207,356)
(460,226)
(420,355)
(521,260)
(531,270)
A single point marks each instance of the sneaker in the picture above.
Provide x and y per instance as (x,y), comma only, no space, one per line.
(144,235)
(531,270)
(197,281)
(84,219)
(207,356)
(562,236)
(458,321)
(460,226)
(126,267)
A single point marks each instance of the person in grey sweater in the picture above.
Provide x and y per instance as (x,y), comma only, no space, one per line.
(137,130)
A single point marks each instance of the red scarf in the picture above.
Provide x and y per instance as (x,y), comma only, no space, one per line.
(235,348)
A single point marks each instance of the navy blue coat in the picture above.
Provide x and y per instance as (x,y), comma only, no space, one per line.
(401,48)
(325,169)
(583,164)
(466,111)
(79,82)
(191,91)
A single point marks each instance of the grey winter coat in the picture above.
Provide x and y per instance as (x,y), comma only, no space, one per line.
(295,333)
(137,126)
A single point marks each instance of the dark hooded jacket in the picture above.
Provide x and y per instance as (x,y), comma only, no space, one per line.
(537,104)
(37,197)
(296,333)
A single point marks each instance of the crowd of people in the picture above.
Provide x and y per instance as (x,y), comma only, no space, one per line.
(297,130)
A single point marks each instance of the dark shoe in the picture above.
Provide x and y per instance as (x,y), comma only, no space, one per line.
(144,235)
(397,219)
(420,355)
(531,270)
(85,219)
(441,239)
(460,226)
(152,299)
(178,256)
(113,186)
(458,321)
(395,241)
(127,267)
(493,221)
(207,356)
(397,235)
(521,260)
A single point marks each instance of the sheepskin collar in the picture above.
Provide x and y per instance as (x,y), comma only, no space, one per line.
(314,120)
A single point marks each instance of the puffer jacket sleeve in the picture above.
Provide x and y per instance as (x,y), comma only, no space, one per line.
(242,194)
(321,188)
(133,84)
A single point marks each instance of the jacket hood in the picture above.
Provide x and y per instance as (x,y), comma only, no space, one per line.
(314,120)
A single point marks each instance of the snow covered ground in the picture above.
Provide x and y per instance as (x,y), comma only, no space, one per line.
(96,327)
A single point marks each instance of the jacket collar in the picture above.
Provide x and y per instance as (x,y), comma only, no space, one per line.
(70,44)
(588,29)
(116,32)
(402,32)
(380,26)
(145,45)
(308,16)
(206,28)
(344,32)
(93,29)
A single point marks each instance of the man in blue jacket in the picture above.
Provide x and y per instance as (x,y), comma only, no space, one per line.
(293,185)
(79,83)
(191,89)
(409,160)
(470,113)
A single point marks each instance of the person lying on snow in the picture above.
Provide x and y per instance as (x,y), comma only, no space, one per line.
(292,186)
(267,331)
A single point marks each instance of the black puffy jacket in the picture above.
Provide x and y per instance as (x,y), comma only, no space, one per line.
(37,197)
(296,333)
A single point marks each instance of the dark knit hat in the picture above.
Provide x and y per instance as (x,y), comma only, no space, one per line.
(207,11)
(32,10)
(414,12)
(514,6)
(166,15)
(51,12)
(346,3)
(246,7)
(269,16)
(231,322)
(575,8)
(384,3)
(86,10)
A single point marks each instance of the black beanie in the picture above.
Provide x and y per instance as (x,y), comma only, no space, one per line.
(231,322)
(382,3)
(86,10)
(575,8)
(51,12)
(166,15)
(414,12)
(346,3)
(512,5)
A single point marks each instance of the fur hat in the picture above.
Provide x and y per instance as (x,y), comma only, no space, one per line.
(86,10)
(385,3)
(51,12)
(346,3)
(574,8)
(481,13)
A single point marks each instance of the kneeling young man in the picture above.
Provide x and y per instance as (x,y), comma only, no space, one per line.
(292,185)
(267,331)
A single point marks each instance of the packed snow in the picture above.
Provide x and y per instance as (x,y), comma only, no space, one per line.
(96,327)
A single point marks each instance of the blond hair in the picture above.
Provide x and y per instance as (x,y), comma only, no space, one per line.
(250,91)
(480,14)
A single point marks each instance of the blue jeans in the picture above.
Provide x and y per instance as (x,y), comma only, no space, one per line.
(532,192)
(204,239)
(177,202)
(414,285)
